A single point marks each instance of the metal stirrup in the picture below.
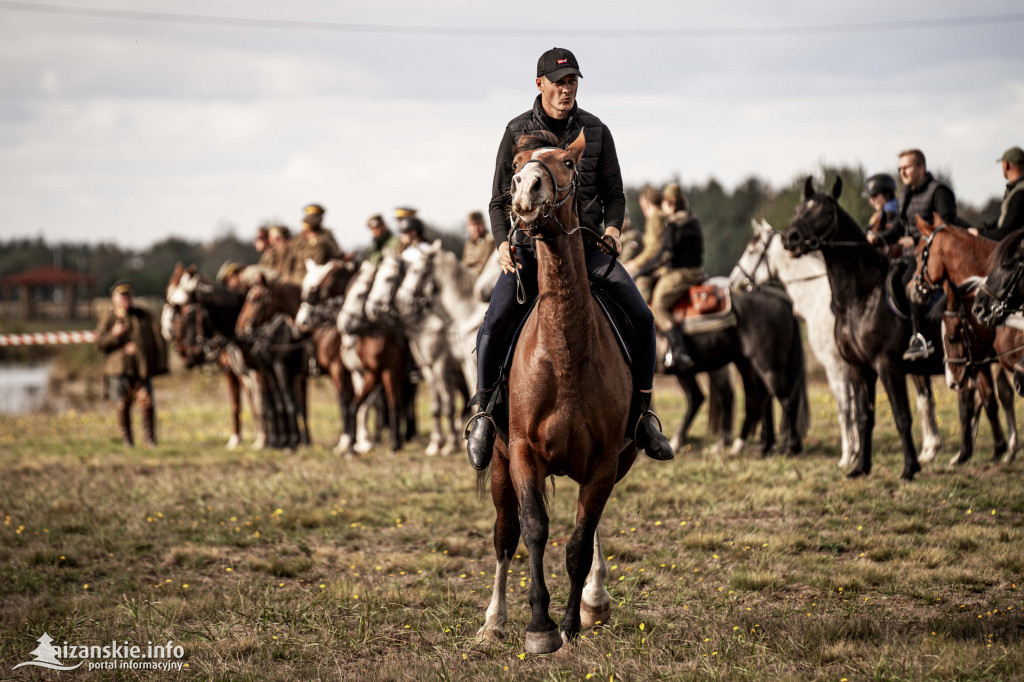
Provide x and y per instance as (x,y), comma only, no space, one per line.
(478,415)
(648,413)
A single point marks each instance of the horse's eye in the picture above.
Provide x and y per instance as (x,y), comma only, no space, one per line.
(568,163)
(515,165)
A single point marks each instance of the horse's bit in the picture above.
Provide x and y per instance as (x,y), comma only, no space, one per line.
(922,281)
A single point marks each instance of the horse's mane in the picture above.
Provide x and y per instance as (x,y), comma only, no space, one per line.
(1006,246)
(540,139)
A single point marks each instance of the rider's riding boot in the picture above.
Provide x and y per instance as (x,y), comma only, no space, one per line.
(648,435)
(919,348)
(124,424)
(480,434)
(149,426)
(678,358)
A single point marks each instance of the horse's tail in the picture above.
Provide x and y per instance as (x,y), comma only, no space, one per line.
(798,365)
(483,477)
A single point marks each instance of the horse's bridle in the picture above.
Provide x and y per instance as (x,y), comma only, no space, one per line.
(548,210)
(422,298)
(547,215)
(814,242)
(1003,299)
(922,281)
(762,259)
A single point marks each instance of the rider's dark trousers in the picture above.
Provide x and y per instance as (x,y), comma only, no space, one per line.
(505,313)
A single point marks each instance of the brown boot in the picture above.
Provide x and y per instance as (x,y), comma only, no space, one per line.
(124,423)
(149,426)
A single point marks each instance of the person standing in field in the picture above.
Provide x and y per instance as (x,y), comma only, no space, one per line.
(135,352)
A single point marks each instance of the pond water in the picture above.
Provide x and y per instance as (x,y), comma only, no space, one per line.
(22,387)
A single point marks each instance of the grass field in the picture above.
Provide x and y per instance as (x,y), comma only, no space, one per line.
(303,566)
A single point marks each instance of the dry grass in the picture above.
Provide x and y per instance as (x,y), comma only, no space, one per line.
(302,566)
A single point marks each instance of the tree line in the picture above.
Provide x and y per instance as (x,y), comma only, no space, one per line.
(725,214)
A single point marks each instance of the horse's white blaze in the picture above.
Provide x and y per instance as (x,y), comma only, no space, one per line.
(314,276)
(522,195)
(497,610)
(302,317)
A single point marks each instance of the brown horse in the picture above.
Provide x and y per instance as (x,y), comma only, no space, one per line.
(375,356)
(199,319)
(953,259)
(569,400)
(265,330)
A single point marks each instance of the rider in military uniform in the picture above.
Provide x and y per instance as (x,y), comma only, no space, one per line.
(383,239)
(479,244)
(135,353)
(315,242)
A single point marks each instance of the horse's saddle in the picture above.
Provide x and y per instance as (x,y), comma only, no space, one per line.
(706,307)
(621,328)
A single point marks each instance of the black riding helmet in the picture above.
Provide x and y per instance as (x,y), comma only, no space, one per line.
(881,183)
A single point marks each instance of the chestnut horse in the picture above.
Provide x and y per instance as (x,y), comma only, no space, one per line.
(265,330)
(323,291)
(569,400)
(199,320)
(948,258)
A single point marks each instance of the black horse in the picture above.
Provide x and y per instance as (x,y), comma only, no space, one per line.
(766,348)
(1003,292)
(871,336)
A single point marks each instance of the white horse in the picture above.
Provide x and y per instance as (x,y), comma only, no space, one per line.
(488,277)
(428,342)
(765,259)
(438,281)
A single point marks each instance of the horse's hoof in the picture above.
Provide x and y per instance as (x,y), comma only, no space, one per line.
(857,473)
(737,446)
(432,449)
(233,442)
(675,443)
(592,616)
(490,634)
(959,458)
(543,642)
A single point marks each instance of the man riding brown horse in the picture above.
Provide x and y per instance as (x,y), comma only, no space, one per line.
(601,201)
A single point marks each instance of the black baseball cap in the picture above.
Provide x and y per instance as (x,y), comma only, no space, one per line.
(557,63)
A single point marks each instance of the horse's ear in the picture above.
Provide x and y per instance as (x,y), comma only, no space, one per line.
(923,226)
(755,225)
(192,269)
(577,147)
(808,188)
(937,219)
(436,246)
(837,188)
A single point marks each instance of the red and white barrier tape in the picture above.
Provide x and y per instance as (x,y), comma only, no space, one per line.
(46,338)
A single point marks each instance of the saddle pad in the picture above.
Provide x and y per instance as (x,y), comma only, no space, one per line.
(707,307)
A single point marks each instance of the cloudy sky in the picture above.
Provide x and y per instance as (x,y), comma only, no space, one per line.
(134,120)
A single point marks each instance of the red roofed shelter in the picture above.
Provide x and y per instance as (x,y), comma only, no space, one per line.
(46,283)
